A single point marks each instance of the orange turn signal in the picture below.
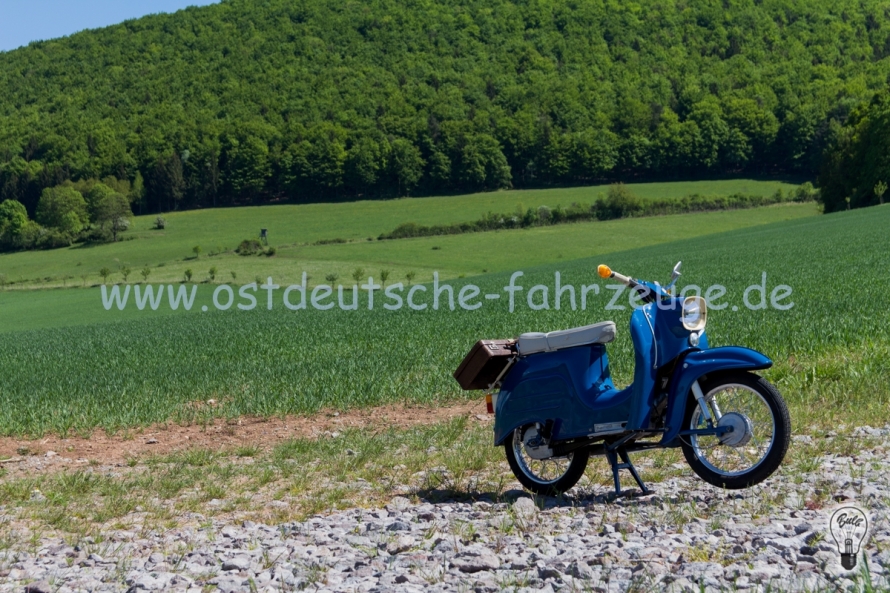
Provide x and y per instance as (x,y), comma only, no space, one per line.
(489,404)
(604,271)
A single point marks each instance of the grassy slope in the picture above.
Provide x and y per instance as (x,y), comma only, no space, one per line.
(300,224)
(505,250)
(831,348)
(458,254)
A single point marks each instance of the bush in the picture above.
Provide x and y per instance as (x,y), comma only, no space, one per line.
(403,231)
(620,202)
(160,223)
(249,247)
(805,192)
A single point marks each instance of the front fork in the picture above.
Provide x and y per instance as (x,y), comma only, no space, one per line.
(711,416)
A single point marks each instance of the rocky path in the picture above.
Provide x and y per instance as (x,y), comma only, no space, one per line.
(685,536)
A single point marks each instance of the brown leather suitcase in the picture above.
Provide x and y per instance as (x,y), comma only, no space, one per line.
(484,363)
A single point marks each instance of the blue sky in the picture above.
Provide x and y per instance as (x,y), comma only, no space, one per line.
(23,21)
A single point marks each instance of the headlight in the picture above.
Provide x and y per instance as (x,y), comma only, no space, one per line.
(695,313)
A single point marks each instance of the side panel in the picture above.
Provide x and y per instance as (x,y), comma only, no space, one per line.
(698,363)
(571,387)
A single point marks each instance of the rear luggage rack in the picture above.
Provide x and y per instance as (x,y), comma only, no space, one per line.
(486,364)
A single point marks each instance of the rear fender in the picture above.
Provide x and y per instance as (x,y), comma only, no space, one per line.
(513,410)
(703,362)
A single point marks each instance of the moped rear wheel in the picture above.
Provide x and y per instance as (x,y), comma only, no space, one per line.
(758,442)
(547,477)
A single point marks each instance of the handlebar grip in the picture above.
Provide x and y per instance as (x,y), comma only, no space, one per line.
(606,272)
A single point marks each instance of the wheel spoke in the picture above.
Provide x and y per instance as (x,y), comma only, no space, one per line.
(739,400)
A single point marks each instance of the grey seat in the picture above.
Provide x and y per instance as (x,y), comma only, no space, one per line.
(534,342)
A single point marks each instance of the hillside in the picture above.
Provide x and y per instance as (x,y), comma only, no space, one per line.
(295,229)
(246,102)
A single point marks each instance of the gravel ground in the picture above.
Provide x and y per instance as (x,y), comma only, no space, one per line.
(685,536)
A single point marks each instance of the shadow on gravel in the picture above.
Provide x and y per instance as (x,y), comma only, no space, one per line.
(575,498)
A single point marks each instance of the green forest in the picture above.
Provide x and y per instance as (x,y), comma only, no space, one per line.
(255,101)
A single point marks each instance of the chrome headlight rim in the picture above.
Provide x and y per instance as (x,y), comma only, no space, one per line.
(694,314)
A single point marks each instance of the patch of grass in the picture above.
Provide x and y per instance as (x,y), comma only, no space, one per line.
(324,477)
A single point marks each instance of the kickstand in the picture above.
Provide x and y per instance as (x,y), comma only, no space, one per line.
(612,455)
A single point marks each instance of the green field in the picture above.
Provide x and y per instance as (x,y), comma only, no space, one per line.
(292,227)
(457,255)
(831,348)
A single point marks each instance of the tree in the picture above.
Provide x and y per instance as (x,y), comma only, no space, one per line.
(164,183)
(197,251)
(246,165)
(112,214)
(754,126)
(125,272)
(406,164)
(14,224)
(95,194)
(384,276)
(595,153)
(880,188)
(482,163)
(62,208)
(358,274)
(410,277)
(146,272)
(365,161)
(316,163)
(212,273)
(137,192)
(104,273)
(858,158)
(188,275)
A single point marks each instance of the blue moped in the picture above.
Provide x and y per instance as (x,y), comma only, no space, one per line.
(555,404)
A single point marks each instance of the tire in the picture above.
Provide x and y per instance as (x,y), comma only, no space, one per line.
(567,470)
(762,439)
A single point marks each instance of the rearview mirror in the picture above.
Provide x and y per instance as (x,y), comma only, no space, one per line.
(675,274)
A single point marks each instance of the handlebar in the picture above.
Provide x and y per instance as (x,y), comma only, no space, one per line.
(606,272)
(644,291)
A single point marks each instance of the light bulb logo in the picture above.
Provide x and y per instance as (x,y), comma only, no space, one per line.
(849,527)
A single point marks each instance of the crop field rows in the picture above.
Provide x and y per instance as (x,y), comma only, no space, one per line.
(830,347)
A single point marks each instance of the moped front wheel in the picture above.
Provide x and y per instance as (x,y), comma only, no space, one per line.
(549,476)
(758,441)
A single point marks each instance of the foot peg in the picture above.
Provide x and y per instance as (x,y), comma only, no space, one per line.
(612,455)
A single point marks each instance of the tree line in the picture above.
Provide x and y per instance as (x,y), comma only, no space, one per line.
(306,100)
(856,168)
(88,211)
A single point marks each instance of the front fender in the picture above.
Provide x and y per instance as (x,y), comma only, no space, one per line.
(703,362)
